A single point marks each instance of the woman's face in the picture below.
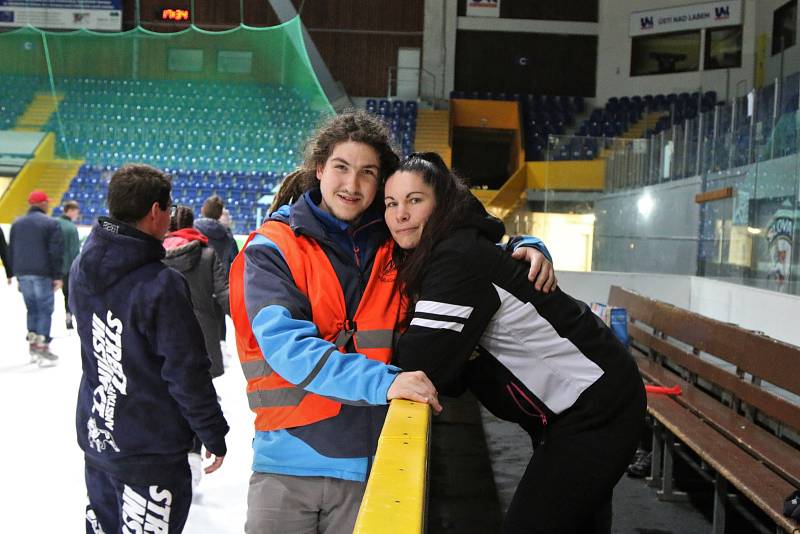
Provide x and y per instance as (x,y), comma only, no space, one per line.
(409,204)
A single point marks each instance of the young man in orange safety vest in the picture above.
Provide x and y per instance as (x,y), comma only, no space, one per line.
(315,309)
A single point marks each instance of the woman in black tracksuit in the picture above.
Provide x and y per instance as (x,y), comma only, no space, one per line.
(544,361)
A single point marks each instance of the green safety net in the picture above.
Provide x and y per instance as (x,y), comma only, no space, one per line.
(241,100)
(224,112)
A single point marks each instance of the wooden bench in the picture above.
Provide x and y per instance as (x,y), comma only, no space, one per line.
(736,414)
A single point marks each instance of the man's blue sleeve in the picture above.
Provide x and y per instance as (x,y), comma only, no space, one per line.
(281,319)
(529,241)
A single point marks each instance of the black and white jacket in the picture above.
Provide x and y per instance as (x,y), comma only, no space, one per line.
(528,356)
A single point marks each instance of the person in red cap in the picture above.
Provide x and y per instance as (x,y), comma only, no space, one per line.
(35,253)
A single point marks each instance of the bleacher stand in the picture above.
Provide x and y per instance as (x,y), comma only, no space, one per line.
(542,116)
(235,140)
(401,118)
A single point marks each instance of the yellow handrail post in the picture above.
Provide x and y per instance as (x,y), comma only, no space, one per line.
(396,495)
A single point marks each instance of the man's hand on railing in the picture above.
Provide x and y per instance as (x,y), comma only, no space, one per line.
(415,386)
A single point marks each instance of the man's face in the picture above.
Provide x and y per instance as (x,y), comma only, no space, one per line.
(349,180)
(73,214)
(162,220)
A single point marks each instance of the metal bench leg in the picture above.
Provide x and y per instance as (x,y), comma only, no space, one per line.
(656,465)
(720,495)
(667,492)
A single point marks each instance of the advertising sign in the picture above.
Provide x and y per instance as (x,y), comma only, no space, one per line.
(63,14)
(682,18)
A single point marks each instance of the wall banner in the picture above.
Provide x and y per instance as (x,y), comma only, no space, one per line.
(683,18)
(483,8)
(63,14)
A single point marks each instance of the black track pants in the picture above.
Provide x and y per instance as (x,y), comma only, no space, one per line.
(568,484)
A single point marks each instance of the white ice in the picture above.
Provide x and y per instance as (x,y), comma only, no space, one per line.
(41,479)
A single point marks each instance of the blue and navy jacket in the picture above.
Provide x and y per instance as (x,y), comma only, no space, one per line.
(36,245)
(146,388)
(279,314)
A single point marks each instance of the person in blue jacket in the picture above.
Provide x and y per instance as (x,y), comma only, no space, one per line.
(146,388)
(35,254)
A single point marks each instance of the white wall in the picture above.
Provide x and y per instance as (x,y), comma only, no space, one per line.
(614,55)
(770,312)
(593,286)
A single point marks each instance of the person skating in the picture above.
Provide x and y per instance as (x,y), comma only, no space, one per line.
(70,212)
(220,237)
(189,253)
(35,253)
(146,390)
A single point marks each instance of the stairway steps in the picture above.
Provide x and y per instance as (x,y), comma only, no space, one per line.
(38,112)
(433,132)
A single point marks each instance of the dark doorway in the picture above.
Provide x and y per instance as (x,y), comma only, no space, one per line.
(483,155)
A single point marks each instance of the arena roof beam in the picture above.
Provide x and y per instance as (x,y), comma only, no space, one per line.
(338,98)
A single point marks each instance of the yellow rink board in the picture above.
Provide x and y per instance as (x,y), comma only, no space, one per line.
(394,501)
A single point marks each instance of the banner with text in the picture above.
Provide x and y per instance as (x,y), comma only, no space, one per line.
(63,14)
(683,18)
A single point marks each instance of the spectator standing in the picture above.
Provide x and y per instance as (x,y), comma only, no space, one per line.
(36,249)
(226,220)
(70,212)
(146,390)
(221,239)
(188,253)
(4,257)
(219,236)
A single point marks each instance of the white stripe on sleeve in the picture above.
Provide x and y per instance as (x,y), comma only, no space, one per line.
(442,325)
(443,308)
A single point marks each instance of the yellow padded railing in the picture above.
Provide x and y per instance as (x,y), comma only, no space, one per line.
(395,499)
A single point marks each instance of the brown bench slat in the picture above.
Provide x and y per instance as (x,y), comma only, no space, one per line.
(779,456)
(767,358)
(758,483)
(771,405)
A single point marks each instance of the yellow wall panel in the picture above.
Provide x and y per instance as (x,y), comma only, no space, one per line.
(484,114)
(566,175)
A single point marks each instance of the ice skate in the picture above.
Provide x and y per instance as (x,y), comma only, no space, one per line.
(42,349)
(31,338)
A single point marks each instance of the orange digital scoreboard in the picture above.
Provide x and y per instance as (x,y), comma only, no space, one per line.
(175,15)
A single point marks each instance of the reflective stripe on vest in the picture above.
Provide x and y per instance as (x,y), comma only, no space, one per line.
(277,402)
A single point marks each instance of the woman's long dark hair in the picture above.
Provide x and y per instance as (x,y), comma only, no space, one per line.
(453,202)
(357,126)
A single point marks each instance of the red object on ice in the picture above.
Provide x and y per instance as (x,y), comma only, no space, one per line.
(674,390)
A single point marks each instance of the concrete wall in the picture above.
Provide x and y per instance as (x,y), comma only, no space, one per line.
(748,307)
(614,48)
(614,56)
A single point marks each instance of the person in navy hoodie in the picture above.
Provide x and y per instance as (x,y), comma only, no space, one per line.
(146,388)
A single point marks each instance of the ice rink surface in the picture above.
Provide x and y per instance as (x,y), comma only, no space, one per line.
(42,487)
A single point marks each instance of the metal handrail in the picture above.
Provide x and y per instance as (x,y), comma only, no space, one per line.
(392,81)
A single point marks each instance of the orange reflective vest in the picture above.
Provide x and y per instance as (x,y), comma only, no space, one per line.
(278,403)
